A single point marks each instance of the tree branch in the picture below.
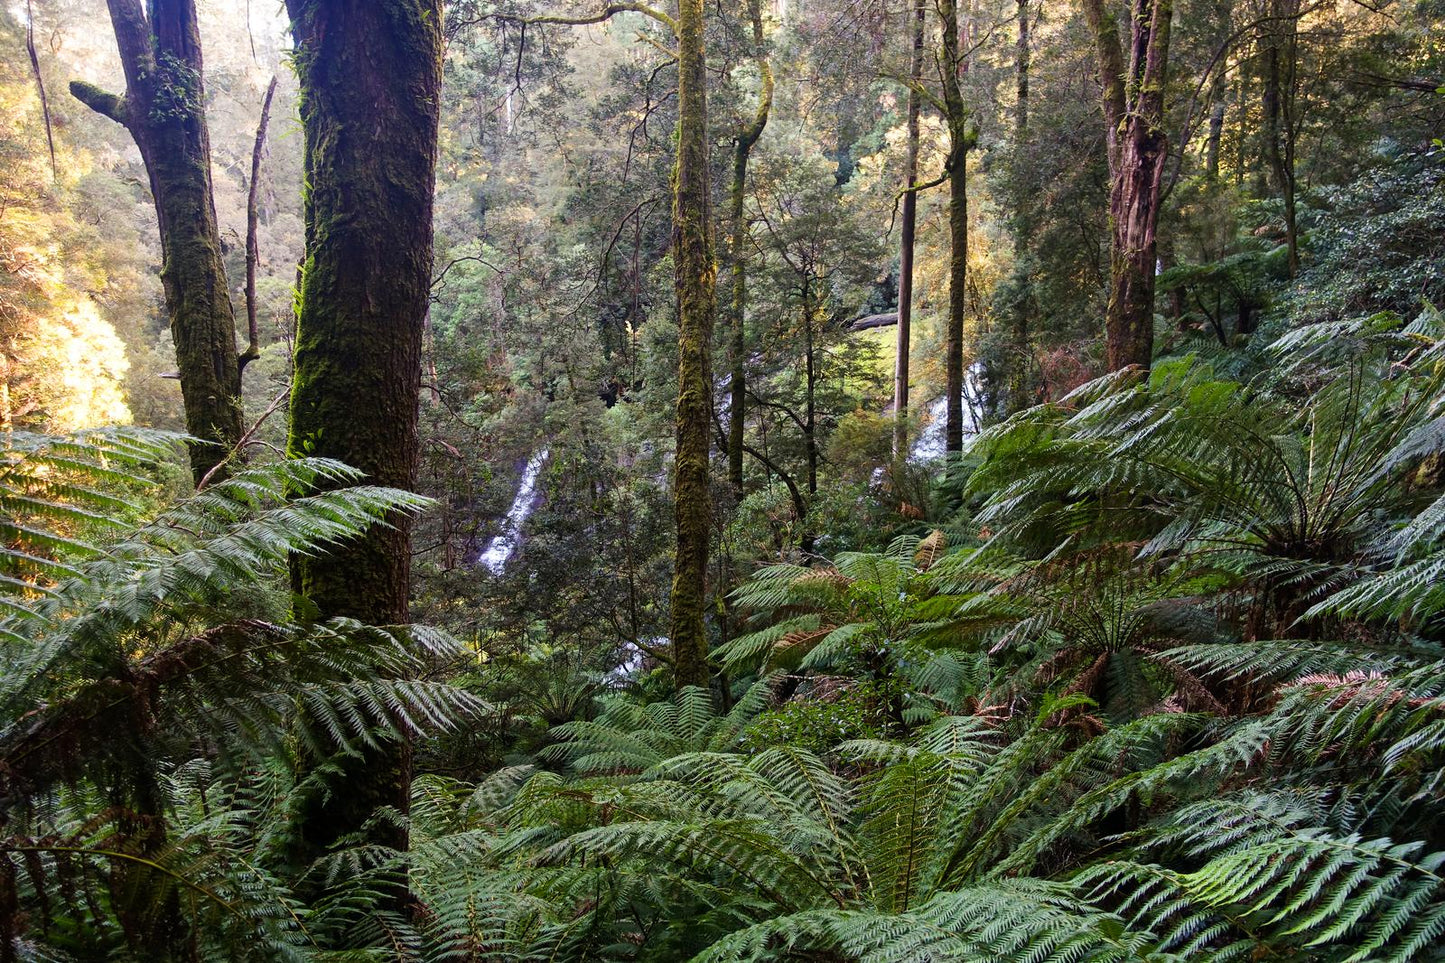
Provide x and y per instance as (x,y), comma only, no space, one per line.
(606,13)
(102,102)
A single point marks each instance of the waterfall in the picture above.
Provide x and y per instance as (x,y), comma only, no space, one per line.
(500,548)
(932,441)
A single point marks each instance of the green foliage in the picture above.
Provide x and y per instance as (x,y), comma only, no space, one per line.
(156,696)
(1379,246)
(1154,672)
(817,724)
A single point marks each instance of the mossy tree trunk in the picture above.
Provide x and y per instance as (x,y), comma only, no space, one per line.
(737,335)
(1020,364)
(1133,107)
(908,232)
(370,76)
(1280,89)
(696,285)
(961,139)
(164,110)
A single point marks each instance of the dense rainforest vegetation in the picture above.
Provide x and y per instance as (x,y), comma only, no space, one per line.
(835,480)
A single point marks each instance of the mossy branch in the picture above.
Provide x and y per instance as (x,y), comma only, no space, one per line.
(103,102)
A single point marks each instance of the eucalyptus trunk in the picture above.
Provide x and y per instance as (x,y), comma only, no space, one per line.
(1020,353)
(1133,106)
(164,110)
(907,239)
(737,341)
(960,141)
(370,77)
(696,286)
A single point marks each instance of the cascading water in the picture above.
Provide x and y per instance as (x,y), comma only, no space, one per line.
(932,441)
(500,548)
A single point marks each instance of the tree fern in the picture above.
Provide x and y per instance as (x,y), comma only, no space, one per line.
(144,649)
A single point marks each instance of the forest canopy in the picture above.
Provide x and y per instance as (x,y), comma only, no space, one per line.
(580,480)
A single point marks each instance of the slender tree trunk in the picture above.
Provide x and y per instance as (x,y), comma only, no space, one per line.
(1218,90)
(737,349)
(164,110)
(370,77)
(40,86)
(1239,97)
(960,139)
(1280,71)
(253,220)
(696,284)
(810,400)
(907,236)
(809,539)
(1133,106)
(1021,354)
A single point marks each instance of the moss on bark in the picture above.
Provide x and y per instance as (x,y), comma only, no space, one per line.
(907,237)
(737,341)
(370,76)
(164,110)
(1132,99)
(961,140)
(696,285)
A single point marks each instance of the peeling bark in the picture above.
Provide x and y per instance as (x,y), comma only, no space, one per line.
(1133,106)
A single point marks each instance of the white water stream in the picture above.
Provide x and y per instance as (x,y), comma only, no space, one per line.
(929,445)
(500,548)
(932,440)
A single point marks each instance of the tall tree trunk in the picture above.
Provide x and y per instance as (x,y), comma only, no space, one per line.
(907,236)
(1281,67)
(1218,90)
(1021,355)
(1133,106)
(370,75)
(40,87)
(696,285)
(253,220)
(164,110)
(960,141)
(810,398)
(737,344)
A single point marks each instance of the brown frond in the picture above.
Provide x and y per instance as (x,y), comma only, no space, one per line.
(930,550)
